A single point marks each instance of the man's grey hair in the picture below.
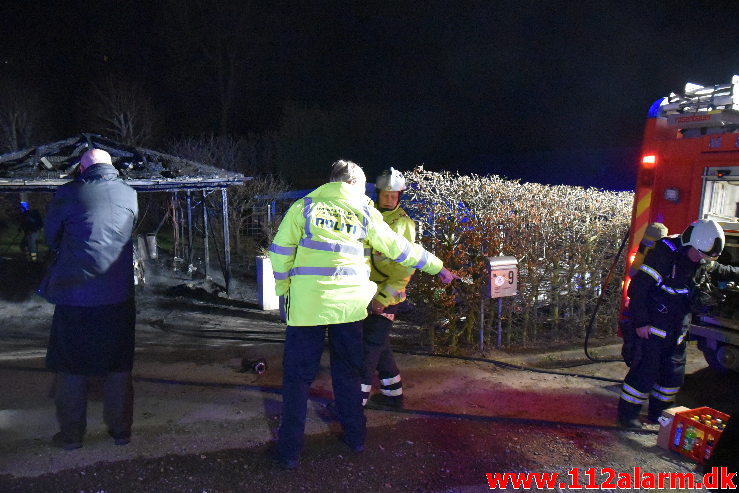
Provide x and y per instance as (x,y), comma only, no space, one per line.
(346,171)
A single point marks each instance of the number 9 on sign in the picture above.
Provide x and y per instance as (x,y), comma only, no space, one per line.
(503,276)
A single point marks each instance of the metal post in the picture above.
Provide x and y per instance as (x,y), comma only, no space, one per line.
(226,243)
(181,229)
(500,320)
(482,323)
(175,229)
(189,233)
(206,249)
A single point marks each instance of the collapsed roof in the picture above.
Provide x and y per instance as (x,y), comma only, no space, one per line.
(48,166)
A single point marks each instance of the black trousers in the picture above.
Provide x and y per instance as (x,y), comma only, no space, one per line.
(657,376)
(303,349)
(378,357)
(71,405)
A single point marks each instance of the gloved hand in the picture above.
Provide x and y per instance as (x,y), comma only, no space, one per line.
(631,351)
(632,347)
(447,276)
(643,332)
(376,308)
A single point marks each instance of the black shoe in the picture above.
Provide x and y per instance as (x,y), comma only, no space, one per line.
(380,401)
(120,439)
(633,423)
(356,448)
(58,441)
(286,464)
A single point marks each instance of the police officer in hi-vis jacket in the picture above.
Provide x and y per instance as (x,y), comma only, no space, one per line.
(321,267)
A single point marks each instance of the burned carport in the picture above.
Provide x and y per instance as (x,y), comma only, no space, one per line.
(46,167)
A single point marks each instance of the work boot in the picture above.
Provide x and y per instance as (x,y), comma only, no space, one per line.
(633,423)
(380,401)
(628,414)
(650,420)
(656,407)
(649,425)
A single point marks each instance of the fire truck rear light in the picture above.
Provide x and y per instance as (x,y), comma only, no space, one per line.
(649,159)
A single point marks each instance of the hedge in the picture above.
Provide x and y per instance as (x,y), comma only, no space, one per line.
(564,237)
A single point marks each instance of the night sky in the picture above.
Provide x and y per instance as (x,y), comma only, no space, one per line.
(473,86)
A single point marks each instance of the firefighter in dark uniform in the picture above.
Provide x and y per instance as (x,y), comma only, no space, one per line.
(30,225)
(660,296)
(391,279)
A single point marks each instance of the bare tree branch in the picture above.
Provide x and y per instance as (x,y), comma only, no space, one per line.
(223,39)
(121,110)
(250,155)
(21,116)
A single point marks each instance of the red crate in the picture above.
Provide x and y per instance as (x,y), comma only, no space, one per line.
(696,448)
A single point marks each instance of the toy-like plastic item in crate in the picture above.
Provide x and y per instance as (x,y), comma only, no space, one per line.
(696,432)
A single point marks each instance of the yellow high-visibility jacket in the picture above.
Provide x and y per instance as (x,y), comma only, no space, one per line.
(319,258)
(392,277)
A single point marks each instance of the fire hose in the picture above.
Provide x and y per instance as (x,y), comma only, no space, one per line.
(603,290)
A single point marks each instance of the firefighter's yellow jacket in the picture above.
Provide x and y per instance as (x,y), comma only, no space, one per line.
(319,258)
(392,277)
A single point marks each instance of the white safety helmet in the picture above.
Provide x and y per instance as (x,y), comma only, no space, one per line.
(390,180)
(705,235)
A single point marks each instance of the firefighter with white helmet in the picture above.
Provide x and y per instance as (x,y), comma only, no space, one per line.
(705,235)
(391,279)
(662,293)
(390,180)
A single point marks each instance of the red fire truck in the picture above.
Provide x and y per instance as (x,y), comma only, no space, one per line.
(690,170)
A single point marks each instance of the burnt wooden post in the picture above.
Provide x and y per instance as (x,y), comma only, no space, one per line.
(189,232)
(206,249)
(176,223)
(226,243)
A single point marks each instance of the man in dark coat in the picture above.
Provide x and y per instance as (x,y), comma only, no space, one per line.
(89,226)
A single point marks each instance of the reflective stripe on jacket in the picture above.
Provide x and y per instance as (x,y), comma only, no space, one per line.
(659,293)
(392,277)
(319,258)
